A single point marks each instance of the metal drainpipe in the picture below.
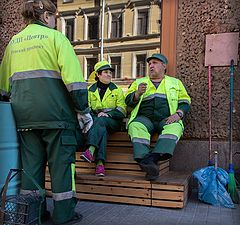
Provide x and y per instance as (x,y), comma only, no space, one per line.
(102,28)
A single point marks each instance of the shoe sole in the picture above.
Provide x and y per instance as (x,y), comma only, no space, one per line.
(100,175)
(85,158)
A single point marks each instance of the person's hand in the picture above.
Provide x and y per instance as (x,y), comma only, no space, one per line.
(173,118)
(141,90)
(102,114)
(85,121)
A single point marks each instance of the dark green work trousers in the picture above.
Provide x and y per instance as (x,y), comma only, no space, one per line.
(97,135)
(141,130)
(57,147)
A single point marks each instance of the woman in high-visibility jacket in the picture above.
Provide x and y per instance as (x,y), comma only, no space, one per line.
(108,108)
(42,75)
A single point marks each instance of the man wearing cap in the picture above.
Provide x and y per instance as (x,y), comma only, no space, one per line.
(159,103)
(107,103)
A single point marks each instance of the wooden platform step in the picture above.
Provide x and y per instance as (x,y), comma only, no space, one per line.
(125,182)
(170,190)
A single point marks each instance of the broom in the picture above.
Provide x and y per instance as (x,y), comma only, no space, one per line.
(210,162)
(232,187)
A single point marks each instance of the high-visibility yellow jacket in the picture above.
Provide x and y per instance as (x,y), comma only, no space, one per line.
(113,102)
(174,90)
(41,73)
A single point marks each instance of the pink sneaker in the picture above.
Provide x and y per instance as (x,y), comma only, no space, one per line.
(87,155)
(100,171)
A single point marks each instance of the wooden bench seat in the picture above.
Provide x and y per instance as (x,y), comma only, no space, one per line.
(125,182)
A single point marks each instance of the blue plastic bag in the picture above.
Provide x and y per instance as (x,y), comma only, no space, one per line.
(212,184)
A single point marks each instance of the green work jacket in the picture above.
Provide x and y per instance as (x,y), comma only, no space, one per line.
(41,73)
(113,102)
(174,90)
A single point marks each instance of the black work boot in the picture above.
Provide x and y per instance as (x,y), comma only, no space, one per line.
(147,165)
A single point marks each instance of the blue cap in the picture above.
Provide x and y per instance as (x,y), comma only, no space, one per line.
(160,57)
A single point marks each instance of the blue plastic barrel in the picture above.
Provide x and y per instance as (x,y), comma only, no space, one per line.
(9,151)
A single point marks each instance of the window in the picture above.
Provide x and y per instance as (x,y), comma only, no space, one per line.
(116,64)
(90,65)
(93,27)
(141,65)
(70,29)
(67,1)
(116,25)
(142,22)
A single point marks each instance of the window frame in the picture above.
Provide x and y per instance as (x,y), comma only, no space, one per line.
(86,58)
(119,29)
(144,62)
(145,18)
(98,30)
(120,65)
(73,28)
(135,22)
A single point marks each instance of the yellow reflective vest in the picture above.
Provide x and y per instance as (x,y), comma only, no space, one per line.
(174,90)
(41,72)
(113,102)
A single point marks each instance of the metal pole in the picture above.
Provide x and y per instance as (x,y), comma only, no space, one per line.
(102,26)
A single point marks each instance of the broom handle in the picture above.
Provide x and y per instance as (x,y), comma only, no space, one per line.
(210,115)
(216,159)
(231,112)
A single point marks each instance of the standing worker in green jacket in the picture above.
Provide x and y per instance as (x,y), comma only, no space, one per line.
(41,74)
(108,108)
(159,104)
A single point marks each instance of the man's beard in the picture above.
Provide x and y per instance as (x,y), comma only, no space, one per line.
(154,74)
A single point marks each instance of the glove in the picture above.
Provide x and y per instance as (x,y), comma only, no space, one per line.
(85,121)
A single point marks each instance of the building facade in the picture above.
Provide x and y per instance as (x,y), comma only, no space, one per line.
(129,33)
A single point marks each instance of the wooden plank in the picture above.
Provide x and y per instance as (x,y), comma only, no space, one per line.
(168,204)
(118,171)
(172,177)
(114,178)
(114,157)
(116,191)
(117,199)
(114,146)
(111,172)
(164,171)
(123,136)
(119,136)
(168,195)
(115,183)
(118,165)
(168,187)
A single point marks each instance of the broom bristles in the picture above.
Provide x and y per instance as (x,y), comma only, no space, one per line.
(232,188)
